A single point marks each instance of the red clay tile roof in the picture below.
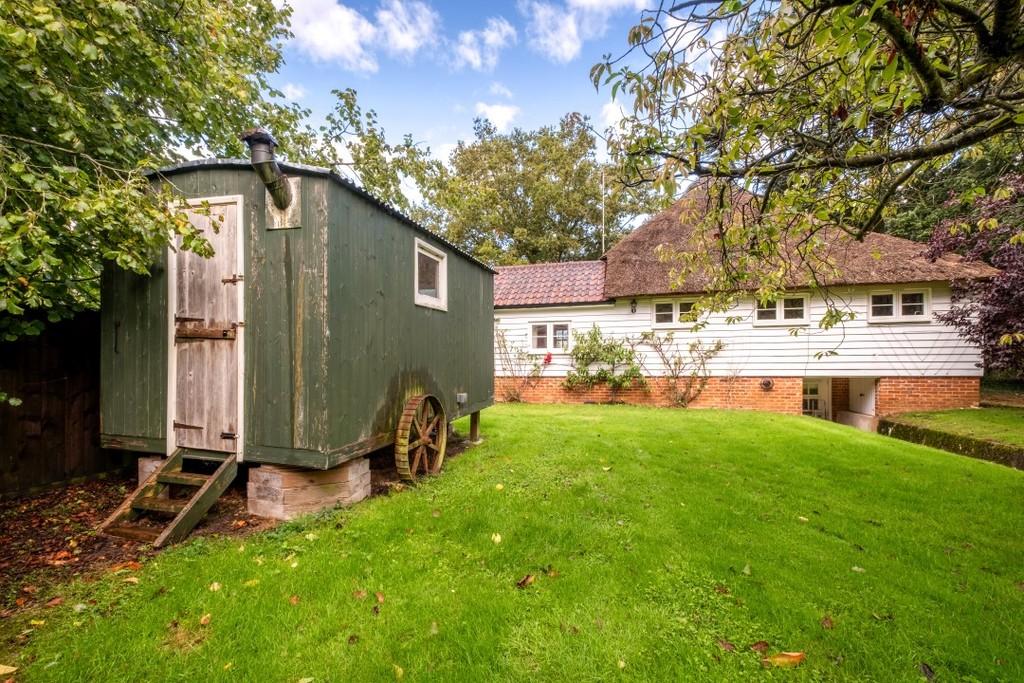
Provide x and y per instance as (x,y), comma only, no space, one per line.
(541,284)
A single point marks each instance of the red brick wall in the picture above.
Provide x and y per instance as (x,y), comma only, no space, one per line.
(894,394)
(721,392)
(840,394)
(905,394)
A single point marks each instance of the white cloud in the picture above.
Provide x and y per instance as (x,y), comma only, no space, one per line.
(293,92)
(328,31)
(611,114)
(501,115)
(500,90)
(558,31)
(479,49)
(405,27)
(552,31)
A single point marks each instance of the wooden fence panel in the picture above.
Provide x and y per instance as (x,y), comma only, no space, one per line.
(53,436)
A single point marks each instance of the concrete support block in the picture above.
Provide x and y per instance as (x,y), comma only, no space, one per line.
(284,492)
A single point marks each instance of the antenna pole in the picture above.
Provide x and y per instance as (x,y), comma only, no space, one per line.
(602,211)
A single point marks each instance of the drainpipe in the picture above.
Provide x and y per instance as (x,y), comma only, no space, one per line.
(261,154)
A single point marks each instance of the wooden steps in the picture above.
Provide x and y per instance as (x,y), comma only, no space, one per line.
(158,500)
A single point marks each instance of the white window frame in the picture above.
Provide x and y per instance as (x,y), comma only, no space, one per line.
(780,312)
(439,302)
(675,313)
(550,336)
(897,306)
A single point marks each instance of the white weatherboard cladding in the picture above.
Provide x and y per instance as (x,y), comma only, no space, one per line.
(906,349)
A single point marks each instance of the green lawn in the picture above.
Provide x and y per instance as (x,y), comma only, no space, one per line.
(1005,425)
(659,539)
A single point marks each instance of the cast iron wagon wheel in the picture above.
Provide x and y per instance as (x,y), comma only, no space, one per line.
(421,438)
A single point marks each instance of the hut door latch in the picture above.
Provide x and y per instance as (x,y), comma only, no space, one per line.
(233,280)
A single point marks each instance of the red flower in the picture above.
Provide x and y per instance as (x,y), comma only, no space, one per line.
(547,358)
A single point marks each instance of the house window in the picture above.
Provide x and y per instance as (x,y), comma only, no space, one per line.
(549,336)
(789,310)
(669,313)
(912,304)
(882,306)
(663,313)
(431,277)
(560,336)
(899,306)
(793,308)
(767,311)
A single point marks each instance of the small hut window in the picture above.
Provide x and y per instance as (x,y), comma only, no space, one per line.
(431,277)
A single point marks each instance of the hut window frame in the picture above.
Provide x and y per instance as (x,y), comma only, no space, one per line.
(422,295)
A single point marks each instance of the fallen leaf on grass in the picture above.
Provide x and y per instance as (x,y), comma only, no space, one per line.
(399,672)
(31,590)
(726,645)
(433,628)
(927,671)
(746,570)
(859,570)
(359,594)
(20,602)
(131,579)
(7,670)
(53,602)
(826,623)
(239,523)
(526,581)
(607,469)
(37,622)
(760,646)
(784,660)
(622,664)
(353,639)
(294,599)
(803,519)
(131,565)
(496,538)
(721,589)
(308,679)
(436,513)
(205,619)
(551,572)
(499,487)
(228,666)
(251,583)
(214,586)
(380,597)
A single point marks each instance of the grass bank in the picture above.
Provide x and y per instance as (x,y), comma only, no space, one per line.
(663,544)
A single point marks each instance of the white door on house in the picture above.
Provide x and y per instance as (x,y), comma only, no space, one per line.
(207,335)
(815,401)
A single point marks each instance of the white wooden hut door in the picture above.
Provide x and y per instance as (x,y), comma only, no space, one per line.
(207,335)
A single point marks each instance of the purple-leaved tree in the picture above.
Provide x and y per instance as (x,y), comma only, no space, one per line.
(990,313)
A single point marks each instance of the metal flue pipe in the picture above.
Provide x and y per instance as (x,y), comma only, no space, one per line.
(261,154)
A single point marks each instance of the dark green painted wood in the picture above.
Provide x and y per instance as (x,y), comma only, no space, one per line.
(141,444)
(198,504)
(334,344)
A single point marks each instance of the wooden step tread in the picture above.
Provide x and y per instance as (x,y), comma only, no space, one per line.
(134,533)
(154,504)
(182,478)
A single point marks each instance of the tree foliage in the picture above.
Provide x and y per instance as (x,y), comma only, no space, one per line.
(990,228)
(941,194)
(93,92)
(824,108)
(528,196)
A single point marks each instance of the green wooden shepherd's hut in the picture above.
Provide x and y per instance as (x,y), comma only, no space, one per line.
(325,326)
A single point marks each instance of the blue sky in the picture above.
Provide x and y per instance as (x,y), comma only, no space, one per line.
(430,67)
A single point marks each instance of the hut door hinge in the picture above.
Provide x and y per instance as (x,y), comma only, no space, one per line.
(234,279)
(187,319)
(182,425)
